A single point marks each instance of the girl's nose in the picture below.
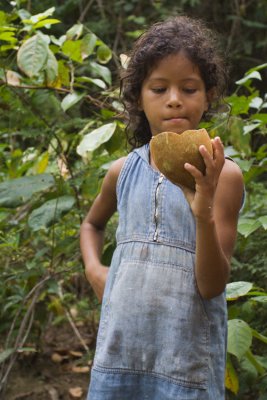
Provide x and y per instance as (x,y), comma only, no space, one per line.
(174,99)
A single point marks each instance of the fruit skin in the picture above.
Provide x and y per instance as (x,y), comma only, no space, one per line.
(170,151)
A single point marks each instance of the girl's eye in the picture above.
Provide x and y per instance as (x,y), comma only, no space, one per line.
(190,90)
(158,90)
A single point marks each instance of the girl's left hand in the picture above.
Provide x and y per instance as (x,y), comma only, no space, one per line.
(201,201)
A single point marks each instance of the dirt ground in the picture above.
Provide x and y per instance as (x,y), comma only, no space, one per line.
(61,371)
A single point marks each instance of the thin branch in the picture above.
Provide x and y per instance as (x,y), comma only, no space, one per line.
(71,321)
(85,11)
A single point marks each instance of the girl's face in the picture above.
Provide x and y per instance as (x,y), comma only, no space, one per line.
(173,96)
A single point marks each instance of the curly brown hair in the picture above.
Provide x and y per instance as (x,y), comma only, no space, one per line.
(180,33)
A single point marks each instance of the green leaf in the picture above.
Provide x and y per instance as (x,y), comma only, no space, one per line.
(5,354)
(248,225)
(94,139)
(251,75)
(8,37)
(32,56)
(103,54)
(257,68)
(75,31)
(46,23)
(72,49)
(250,127)
(71,99)
(260,299)
(88,45)
(50,212)
(38,17)
(16,192)
(254,362)
(101,71)
(239,337)
(263,221)
(260,117)
(51,69)
(237,289)
(97,82)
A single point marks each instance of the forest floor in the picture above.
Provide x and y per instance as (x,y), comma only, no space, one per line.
(59,372)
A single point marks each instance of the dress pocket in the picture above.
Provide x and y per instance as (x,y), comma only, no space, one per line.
(156,324)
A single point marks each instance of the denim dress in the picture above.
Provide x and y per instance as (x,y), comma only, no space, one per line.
(158,339)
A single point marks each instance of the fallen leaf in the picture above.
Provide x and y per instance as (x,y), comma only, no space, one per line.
(82,370)
(75,353)
(57,358)
(76,392)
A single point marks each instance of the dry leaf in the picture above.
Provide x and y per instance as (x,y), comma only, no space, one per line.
(12,78)
(57,358)
(75,353)
(81,370)
(76,392)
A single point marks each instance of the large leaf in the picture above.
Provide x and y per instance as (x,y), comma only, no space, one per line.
(50,212)
(15,192)
(32,55)
(94,139)
(248,225)
(237,289)
(239,337)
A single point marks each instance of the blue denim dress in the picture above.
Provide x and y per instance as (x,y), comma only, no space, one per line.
(158,339)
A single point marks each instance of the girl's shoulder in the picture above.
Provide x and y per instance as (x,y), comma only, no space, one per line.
(115,170)
(231,184)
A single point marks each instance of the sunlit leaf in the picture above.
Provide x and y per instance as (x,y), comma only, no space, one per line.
(239,337)
(75,31)
(95,81)
(72,49)
(251,75)
(94,139)
(101,71)
(71,99)
(237,289)
(46,23)
(248,225)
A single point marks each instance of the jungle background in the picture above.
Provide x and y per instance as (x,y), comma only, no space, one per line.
(61,126)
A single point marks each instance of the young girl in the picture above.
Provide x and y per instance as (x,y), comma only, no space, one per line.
(162,333)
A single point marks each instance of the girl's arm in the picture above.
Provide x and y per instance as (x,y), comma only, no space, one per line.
(93,227)
(215,205)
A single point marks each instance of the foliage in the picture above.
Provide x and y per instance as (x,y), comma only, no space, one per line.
(54,91)
(60,129)
(245,371)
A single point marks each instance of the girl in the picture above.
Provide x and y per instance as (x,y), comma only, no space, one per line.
(162,332)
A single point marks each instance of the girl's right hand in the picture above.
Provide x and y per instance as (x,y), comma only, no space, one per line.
(97,279)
